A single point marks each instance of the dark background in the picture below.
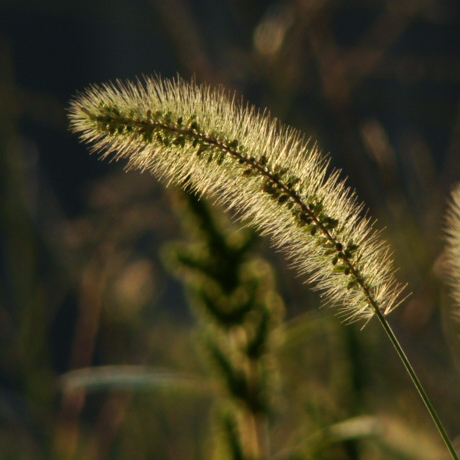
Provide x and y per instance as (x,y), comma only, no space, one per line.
(82,283)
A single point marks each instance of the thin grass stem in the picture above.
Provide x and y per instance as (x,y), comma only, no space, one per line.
(416,381)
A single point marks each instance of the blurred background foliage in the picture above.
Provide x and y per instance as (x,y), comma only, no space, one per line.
(82,281)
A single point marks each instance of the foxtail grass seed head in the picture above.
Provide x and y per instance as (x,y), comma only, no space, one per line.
(452,252)
(207,139)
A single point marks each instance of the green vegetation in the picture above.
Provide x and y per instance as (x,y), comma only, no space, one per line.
(144,322)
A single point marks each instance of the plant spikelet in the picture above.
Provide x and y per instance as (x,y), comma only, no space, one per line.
(207,139)
(452,252)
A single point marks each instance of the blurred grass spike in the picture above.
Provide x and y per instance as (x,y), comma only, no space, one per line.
(239,317)
(452,253)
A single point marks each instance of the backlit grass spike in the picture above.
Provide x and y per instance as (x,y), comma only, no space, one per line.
(272,175)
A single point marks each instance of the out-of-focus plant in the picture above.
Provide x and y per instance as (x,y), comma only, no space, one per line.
(239,316)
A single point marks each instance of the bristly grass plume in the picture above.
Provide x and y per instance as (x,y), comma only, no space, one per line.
(208,141)
(270,174)
(452,252)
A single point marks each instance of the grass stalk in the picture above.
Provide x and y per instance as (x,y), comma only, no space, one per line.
(416,381)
